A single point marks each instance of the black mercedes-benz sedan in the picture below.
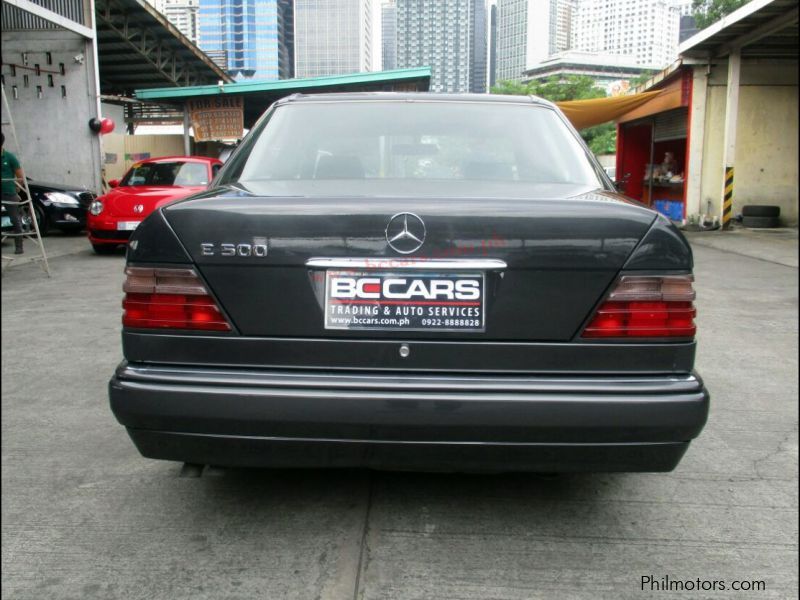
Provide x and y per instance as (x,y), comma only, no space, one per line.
(410,281)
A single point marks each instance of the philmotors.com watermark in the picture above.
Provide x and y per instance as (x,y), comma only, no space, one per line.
(651,583)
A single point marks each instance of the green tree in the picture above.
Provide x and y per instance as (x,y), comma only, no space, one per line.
(511,88)
(640,79)
(555,88)
(601,139)
(707,12)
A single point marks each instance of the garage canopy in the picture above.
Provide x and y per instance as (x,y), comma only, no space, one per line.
(588,113)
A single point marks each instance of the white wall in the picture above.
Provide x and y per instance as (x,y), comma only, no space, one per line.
(765,167)
(55,141)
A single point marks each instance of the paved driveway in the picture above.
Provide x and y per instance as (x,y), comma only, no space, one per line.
(85,517)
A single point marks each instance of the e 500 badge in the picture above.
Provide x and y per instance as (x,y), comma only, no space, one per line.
(405,301)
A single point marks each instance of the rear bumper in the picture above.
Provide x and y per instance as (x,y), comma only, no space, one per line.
(249,417)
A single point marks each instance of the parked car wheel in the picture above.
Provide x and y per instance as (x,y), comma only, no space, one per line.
(25,218)
(755,210)
(761,222)
(41,220)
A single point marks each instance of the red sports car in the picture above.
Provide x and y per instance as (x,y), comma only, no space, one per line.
(146,186)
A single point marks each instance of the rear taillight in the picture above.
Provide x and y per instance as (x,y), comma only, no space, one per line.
(169,299)
(646,307)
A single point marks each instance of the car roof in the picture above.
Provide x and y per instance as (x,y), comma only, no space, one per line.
(411,96)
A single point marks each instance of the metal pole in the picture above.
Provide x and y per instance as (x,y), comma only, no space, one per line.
(93,81)
(729,148)
(650,201)
(187,150)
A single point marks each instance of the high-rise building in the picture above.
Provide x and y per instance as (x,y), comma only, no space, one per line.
(286,39)
(248,34)
(492,45)
(332,37)
(389,34)
(447,36)
(644,29)
(685,7)
(182,14)
(522,36)
(560,21)
(687,28)
(478,49)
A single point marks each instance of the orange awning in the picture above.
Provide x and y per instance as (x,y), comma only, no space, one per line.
(588,113)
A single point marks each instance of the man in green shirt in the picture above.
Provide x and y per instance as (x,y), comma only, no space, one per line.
(12,172)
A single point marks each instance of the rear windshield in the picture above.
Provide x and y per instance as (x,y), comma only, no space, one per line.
(482,144)
(167,173)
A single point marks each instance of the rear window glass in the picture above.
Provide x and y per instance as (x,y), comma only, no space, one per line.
(167,173)
(414,141)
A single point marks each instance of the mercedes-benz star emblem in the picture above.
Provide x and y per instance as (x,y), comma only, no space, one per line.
(138,208)
(405,233)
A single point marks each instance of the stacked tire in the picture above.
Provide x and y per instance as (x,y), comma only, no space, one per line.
(761,217)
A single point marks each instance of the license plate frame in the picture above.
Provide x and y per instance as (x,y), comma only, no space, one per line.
(437,314)
(127,225)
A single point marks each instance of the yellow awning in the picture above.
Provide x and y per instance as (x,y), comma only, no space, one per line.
(588,113)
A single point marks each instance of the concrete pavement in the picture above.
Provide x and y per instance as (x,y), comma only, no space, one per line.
(773,245)
(84,516)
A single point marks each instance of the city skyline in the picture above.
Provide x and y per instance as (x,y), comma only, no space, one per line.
(183,14)
(333,37)
(465,48)
(645,29)
(244,36)
(446,36)
(388,35)
(523,36)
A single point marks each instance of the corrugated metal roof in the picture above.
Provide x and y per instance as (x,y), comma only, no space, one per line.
(287,86)
(139,48)
(259,95)
(760,28)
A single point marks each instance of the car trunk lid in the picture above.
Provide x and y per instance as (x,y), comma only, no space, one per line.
(554,257)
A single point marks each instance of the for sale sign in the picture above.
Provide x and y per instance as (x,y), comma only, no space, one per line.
(219,118)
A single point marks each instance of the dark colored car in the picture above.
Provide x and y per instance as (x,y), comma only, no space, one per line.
(56,206)
(59,206)
(410,281)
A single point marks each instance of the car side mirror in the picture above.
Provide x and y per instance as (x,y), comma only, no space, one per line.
(113,183)
(620,184)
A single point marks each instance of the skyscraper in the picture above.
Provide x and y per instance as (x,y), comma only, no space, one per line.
(389,34)
(286,39)
(182,14)
(530,31)
(447,36)
(523,36)
(492,45)
(332,37)
(645,29)
(560,19)
(247,35)
(478,49)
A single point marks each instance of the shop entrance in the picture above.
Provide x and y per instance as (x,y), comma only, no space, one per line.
(652,161)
